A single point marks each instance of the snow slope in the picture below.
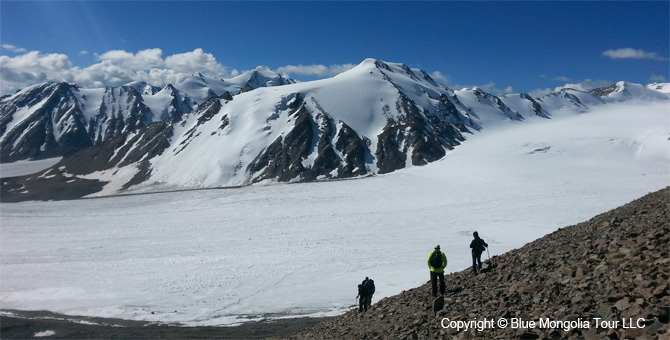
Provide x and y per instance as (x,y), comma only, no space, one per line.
(218,257)
(21,168)
(218,148)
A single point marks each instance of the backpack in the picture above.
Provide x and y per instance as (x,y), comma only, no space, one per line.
(436,259)
(479,246)
(369,286)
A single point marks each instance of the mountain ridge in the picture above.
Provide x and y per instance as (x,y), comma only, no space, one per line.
(104,113)
(375,118)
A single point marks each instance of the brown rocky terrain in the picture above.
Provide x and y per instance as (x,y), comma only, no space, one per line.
(606,278)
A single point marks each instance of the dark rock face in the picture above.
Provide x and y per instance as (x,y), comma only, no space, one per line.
(59,186)
(424,137)
(283,158)
(355,151)
(153,140)
(59,114)
(535,106)
(246,88)
(120,116)
(391,149)
(614,267)
(313,132)
(605,91)
(568,97)
(226,95)
(481,95)
(57,117)
(61,182)
(339,154)
(178,104)
(57,125)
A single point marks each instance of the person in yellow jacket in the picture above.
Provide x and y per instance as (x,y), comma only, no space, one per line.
(437,261)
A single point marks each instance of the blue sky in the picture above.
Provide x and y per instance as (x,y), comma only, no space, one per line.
(504,46)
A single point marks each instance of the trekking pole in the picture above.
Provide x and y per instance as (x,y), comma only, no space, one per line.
(487,253)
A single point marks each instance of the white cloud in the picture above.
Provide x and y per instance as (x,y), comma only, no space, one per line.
(311,70)
(142,60)
(195,61)
(561,78)
(13,48)
(630,53)
(657,78)
(537,93)
(114,68)
(32,68)
(439,77)
(315,70)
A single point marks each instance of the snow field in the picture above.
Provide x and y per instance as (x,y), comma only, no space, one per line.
(224,256)
(21,168)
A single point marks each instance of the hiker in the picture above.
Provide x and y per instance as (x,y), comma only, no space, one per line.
(478,246)
(437,261)
(362,298)
(369,285)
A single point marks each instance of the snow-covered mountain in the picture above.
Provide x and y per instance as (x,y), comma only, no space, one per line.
(660,87)
(56,119)
(375,118)
(617,92)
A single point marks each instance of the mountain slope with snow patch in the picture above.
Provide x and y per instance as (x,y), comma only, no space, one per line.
(75,118)
(376,118)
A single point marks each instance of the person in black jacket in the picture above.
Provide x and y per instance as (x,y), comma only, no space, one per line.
(362,298)
(369,285)
(478,246)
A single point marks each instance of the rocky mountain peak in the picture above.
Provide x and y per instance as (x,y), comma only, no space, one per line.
(606,91)
(375,118)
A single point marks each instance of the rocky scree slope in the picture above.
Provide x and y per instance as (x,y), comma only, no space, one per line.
(613,267)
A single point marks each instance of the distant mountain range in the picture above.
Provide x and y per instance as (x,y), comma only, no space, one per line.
(57,119)
(205,132)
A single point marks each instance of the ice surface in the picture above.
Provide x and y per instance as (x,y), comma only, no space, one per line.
(217,257)
(21,168)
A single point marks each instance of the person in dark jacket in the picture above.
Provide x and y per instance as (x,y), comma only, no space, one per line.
(362,298)
(478,246)
(436,264)
(369,285)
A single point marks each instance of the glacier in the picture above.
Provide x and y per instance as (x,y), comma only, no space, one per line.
(231,255)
